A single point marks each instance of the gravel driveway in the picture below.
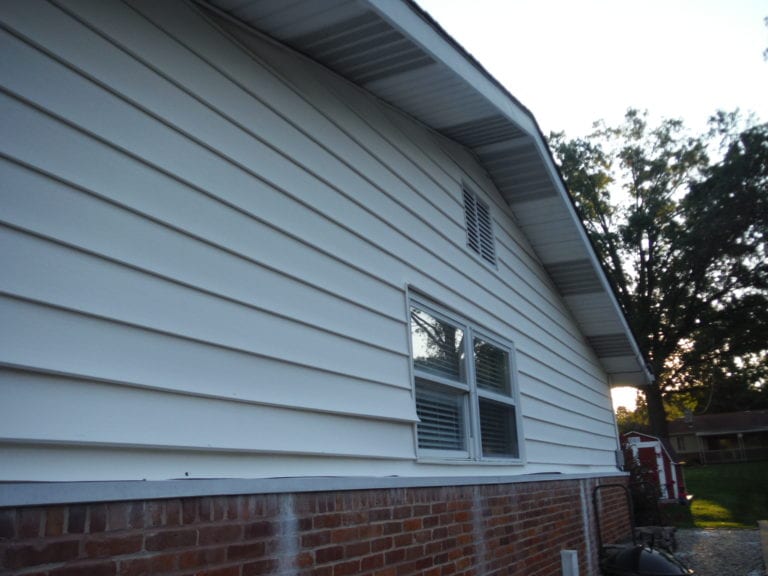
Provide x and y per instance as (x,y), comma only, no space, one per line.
(721,552)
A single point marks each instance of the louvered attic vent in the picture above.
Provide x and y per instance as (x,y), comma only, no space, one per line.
(479,228)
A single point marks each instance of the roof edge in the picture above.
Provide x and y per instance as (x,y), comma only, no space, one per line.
(558,180)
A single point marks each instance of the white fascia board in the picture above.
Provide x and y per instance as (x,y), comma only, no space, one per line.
(404,18)
(638,379)
(643,376)
(643,373)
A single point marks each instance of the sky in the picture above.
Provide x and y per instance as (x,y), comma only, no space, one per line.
(572,62)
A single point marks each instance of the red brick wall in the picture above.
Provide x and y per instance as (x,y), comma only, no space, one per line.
(614,518)
(491,529)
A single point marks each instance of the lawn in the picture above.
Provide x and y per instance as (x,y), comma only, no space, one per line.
(725,496)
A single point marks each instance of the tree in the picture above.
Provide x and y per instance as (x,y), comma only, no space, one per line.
(631,420)
(684,242)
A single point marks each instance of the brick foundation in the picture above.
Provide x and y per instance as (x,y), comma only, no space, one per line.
(487,529)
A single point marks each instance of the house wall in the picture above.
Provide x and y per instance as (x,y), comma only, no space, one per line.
(685,443)
(493,529)
(206,252)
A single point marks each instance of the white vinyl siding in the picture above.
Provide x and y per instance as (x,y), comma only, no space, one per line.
(223,233)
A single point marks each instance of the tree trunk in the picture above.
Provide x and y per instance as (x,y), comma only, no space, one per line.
(657,416)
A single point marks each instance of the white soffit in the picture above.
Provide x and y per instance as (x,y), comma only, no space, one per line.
(398,53)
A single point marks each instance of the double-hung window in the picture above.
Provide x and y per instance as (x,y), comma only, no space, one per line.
(464,388)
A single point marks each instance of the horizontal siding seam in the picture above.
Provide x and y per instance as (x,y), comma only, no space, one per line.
(495,197)
(225,158)
(220,200)
(564,392)
(351,198)
(361,117)
(567,327)
(543,400)
(503,207)
(199,190)
(536,272)
(583,466)
(237,165)
(568,445)
(504,282)
(189,338)
(195,288)
(364,93)
(560,426)
(218,153)
(520,277)
(181,448)
(196,187)
(82,377)
(561,373)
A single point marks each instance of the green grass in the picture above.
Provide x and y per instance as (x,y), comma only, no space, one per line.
(725,496)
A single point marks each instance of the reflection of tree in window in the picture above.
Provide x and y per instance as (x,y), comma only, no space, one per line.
(491,367)
(437,346)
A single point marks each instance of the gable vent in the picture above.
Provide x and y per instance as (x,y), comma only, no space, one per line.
(479,227)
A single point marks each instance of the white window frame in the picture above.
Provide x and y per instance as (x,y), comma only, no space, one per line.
(473,392)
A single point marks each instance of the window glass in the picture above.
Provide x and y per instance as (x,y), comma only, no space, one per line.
(491,367)
(441,411)
(497,429)
(438,346)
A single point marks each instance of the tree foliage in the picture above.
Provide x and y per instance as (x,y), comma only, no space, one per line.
(632,420)
(683,239)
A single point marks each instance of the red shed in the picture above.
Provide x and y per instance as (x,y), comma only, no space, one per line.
(656,464)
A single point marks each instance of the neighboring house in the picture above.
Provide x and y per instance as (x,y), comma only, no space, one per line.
(727,437)
(290,288)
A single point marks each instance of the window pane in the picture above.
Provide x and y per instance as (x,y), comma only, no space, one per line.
(437,346)
(497,429)
(441,414)
(491,367)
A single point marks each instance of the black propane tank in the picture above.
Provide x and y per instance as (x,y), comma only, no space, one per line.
(640,561)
